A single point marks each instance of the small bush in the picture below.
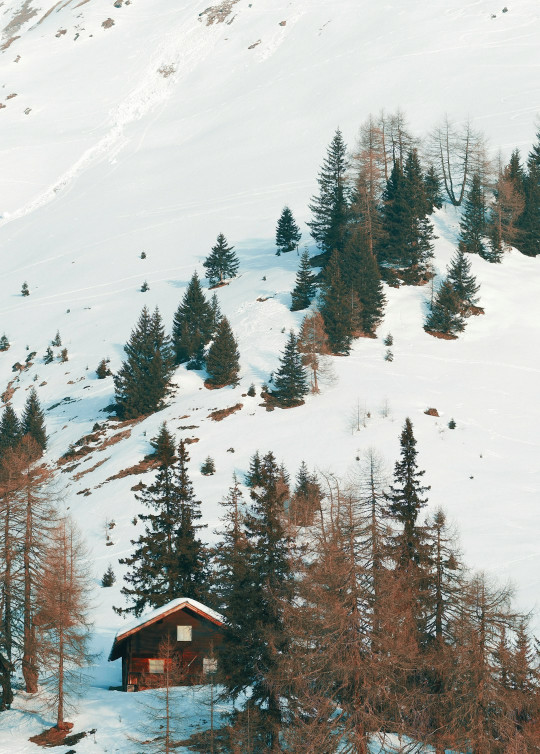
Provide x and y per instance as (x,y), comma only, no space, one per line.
(389,356)
(4,343)
(451,424)
(25,291)
(49,355)
(251,390)
(145,287)
(389,340)
(103,370)
(143,254)
(208,467)
(64,355)
(57,340)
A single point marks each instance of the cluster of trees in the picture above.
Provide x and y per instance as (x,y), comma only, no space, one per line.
(349,617)
(44,588)
(31,425)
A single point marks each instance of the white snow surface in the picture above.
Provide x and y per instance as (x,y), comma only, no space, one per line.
(159,132)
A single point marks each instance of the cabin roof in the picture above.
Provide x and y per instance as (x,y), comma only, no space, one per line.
(151,617)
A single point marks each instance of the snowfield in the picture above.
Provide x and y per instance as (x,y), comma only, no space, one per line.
(158,132)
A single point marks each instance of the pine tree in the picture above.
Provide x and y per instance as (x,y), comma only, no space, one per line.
(216,313)
(163,446)
(405,500)
(288,233)
(290,379)
(193,325)
(10,429)
(462,280)
(360,268)
(337,308)
(306,499)
(145,287)
(25,291)
(304,288)
(473,220)
(33,420)
(108,578)
(142,381)
(49,356)
(330,208)
(169,560)
(57,340)
(221,263)
(446,315)
(253,477)
(4,343)
(103,370)
(208,467)
(222,362)
(433,188)
(529,222)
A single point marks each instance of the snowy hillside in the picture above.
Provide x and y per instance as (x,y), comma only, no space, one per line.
(176,122)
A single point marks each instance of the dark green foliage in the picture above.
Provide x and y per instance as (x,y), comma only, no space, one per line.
(145,287)
(221,263)
(462,280)
(304,287)
(10,429)
(25,291)
(169,560)
(163,446)
(451,424)
(529,223)
(253,477)
(208,467)
(216,313)
(251,390)
(33,420)
(473,220)
(433,189)
(290,382)
(57,340)
(142,381)
(306,499)
(222,362)
(4,343)
(446,313)
(193,325)
(103,370)
(330,208)
(337,308)
(288,233)
(405,499)
(389,340)
(360,269)
(49,356)
(388,356)
(143,254)
(108,578)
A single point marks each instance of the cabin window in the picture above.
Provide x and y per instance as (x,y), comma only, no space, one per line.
(156,666)
(209,665)
(183,633)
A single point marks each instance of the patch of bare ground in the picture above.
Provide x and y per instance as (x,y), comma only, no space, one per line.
(191,440)
(7,395)
(9,42)
(441,335)
(254,45)
(221,414)
(217,14)
(59,736)
(431,412)
(149,463)
(26,12)
(49,12)
(474,311)
(80,474)
(108,23)
(271,402)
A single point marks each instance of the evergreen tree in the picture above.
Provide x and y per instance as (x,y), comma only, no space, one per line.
(108,578)
(4,343)
(337,308)
(473,220)
(446,313)
(405,501)
(208,467)
(10,429)
(103,370)
(221,263)
(222,362)
(216,313)
(433,188)
(193,325)
(290,379)
(253,477)
(288,233)
(25,291)
(163,447)
(304,287)
(57,340)
(169,560)
(49,356)
(330,208)
(33,420)
(360,268)
(529,222)
(142,381)
(462,280)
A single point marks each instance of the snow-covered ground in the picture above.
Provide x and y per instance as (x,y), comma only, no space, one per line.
(159,132)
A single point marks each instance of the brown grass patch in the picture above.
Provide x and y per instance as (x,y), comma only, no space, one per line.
(431,412)
(221,414)
(10,42)
(476,310)
(7,395)
(108,23)
(218,13)
(80,474)
(441,335)
(147,464)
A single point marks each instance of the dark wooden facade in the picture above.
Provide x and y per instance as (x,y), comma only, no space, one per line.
(139,647)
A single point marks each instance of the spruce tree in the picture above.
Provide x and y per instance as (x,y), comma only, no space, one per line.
(330,208)
(48,358)
(10,429)
(216,313)
(142,381)
(290,379)
(405,501)
(337,308)
(462,280)
(445,315)
(221,263)
(193,325)
(529,222)
(253,478)
(304,287)
(473,220)
(4,343)
(433,188)
(288,233)
(169,560)
(360,268)
(25,291)
(33,420)
(222,362)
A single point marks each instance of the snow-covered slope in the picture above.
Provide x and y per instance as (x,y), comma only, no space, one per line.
(161,130)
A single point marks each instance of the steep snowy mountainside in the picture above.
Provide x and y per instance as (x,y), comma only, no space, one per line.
(162,130)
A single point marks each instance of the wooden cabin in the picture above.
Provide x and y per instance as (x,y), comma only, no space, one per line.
(196,633)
